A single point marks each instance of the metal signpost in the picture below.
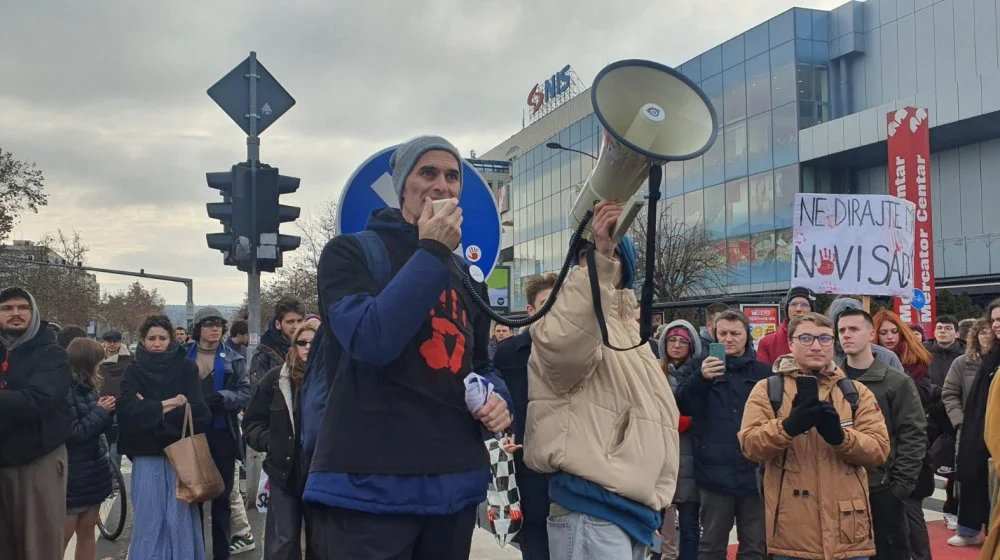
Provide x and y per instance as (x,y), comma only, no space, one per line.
(251,96)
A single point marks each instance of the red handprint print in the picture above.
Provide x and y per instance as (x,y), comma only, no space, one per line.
(826,262)
(448,324)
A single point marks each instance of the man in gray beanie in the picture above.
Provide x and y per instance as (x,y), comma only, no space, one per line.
(399,335)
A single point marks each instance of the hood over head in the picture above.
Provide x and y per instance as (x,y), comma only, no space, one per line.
(661,343)
(34,324)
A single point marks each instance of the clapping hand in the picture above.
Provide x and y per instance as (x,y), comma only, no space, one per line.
(827,421)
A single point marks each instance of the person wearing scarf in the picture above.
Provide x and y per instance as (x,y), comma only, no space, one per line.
(226,387)
(271,425)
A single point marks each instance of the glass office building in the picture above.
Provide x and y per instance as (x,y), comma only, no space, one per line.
(801,102)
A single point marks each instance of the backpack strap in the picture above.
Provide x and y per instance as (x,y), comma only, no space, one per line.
(850,392)
(775,392)
(376,256)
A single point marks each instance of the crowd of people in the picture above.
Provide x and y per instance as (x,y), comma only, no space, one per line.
(370,419)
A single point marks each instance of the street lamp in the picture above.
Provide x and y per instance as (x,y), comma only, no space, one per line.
(558,146)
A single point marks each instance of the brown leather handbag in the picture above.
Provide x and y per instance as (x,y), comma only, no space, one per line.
(198,479)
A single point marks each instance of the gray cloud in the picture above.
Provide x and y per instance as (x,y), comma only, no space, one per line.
(109,97)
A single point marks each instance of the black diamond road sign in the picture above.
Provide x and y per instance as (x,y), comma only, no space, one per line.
(232,93)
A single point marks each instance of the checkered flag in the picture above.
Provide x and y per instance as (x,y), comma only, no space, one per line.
(502,497)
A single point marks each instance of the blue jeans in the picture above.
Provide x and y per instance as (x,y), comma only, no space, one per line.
(690,531)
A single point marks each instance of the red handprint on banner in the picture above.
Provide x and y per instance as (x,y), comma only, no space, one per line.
(826,262)
(447,332)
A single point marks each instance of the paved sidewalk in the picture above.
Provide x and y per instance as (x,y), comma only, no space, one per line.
(485,547)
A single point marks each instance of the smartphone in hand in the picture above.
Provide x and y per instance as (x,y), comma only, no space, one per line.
(717,350)
(806,387)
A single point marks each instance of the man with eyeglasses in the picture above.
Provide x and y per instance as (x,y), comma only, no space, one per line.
(816,450)
(34,426)
(896,394)
(798,302)
(226,386)
(715,399)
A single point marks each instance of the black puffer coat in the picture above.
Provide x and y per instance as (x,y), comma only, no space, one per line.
(89,470)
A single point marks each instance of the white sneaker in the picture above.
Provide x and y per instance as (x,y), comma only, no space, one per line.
(966,541)
(951,520)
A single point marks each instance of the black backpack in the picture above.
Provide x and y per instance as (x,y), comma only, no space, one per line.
(776,393)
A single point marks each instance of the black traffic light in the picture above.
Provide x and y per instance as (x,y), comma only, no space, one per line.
(235,214)
(271,214)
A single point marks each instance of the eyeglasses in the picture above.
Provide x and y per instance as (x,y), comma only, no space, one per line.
(808,339)
(12,308)
(303,343)
(678,341)
(945,328)
(799,305)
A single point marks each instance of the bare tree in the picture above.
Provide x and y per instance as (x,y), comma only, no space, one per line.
(127,308)
(64,295)
(688,263)
(21,189)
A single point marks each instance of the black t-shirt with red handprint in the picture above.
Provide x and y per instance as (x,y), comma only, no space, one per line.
(397,406)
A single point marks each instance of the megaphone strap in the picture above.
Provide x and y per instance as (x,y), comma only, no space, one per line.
(595,293)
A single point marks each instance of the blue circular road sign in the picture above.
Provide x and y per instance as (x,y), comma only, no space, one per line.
(919,299)
(370,188)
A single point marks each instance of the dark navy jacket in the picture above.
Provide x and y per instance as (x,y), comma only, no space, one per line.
(383,334)
(89,480)
(716,411)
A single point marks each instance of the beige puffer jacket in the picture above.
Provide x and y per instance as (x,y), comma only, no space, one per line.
(606,416)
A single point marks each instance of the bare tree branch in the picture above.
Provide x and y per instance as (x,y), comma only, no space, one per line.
(21,189)
(687,262)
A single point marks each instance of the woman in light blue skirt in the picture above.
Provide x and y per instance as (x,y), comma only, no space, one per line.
(165,527)
(156,387)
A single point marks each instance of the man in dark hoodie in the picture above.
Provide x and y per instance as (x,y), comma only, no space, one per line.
(34,426)
(288,315)
(398,463)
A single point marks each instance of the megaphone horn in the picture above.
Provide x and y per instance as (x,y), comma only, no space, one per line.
(652,114)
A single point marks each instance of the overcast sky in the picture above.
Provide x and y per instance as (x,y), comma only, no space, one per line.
(109,98)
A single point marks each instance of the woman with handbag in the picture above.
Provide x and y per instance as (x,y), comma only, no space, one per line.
(155,389)
(271,425)
(89,481)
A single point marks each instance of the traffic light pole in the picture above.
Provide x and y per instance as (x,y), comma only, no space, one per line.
(253,158)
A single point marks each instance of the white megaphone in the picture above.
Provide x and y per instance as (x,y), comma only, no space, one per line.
(652,114)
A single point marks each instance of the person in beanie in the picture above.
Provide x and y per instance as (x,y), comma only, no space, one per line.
(602,423)
(35,422)
(678,344)
(405,480)
(798,302)
(226,387)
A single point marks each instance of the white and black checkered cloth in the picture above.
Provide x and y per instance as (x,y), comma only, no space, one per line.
(503,498)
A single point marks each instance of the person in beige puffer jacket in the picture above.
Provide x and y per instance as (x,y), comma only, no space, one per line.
(602,422)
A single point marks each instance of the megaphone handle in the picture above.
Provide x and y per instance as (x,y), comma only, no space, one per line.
(646,303)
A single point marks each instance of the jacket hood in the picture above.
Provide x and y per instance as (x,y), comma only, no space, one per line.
(839,306)
(34,326)
(787,366)
(391,220)
(705,334)
(661,343)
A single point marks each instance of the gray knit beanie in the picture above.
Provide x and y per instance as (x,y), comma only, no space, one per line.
(207,313)
(407,155)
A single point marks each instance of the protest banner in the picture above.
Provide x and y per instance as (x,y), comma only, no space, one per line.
(853,244)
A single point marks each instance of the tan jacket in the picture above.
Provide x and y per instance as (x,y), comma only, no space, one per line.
(608,417)
(815,495)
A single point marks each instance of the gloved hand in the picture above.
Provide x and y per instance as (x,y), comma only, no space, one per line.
(827,421)
(216,402)
(801,417)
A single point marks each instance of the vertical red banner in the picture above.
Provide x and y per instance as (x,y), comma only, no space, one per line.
(910,178)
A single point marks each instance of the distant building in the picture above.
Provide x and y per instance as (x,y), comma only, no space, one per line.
(25,250)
